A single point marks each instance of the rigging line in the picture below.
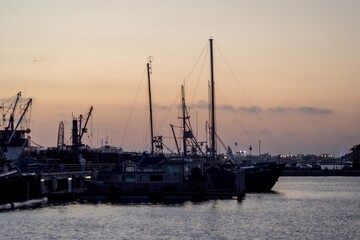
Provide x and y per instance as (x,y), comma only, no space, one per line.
(19,110)
(145,140)
(171,137)
(146,147)
(177,96)
(236,116)
(29,118)
(132,109)
(197,60)
(91,130)
(248,99)
(197,84)
(9,99)
(168,112)
(37,144)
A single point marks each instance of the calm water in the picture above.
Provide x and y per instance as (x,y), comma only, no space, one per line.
(300,208)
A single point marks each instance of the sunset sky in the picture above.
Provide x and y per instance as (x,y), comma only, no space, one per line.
(297,63)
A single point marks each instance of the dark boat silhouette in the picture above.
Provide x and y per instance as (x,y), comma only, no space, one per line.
(262,176)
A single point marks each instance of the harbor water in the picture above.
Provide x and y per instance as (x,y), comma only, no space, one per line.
(299,208)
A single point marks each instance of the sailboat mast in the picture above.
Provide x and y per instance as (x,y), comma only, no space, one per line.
(213,145)
(150,105)
(183,118)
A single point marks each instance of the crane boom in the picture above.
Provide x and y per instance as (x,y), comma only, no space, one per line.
(84,129)
(12,117)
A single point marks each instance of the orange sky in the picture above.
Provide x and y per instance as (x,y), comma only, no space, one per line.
(298,63)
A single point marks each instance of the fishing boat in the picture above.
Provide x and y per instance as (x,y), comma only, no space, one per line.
(154,177)
(13,140)
(259,177)
(158,176)
(16,186)
(262,176)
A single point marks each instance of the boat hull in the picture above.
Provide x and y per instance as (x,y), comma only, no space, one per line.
(262,178)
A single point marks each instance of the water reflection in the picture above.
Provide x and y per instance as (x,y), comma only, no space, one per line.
(298,208)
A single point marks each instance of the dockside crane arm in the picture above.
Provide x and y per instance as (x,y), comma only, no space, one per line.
(2,150)
(84,129)
(12,118)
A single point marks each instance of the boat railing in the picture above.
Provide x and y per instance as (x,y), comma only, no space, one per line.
(56,168)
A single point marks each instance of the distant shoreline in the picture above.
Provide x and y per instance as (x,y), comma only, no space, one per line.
(323,172)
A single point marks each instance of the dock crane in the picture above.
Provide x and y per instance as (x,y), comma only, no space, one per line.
(78,131)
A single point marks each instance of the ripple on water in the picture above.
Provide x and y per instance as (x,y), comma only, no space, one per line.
(299,208)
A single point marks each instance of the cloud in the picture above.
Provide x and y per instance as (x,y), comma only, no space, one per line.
(250,109)
(304,109)
(280,109)
(227,107)
(313,110)
(202,104)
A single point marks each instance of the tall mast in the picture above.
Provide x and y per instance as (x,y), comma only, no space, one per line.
(187,129)
(213,145)
(149,71)
(184,116)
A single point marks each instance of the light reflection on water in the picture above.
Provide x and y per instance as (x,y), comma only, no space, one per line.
(299,208)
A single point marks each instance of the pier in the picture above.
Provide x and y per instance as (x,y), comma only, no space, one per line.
(322,172)
(66,183)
